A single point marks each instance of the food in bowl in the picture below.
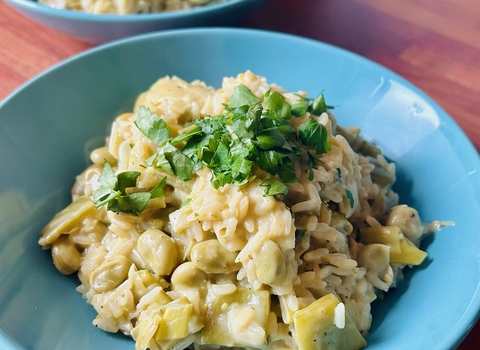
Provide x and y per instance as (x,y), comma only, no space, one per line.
(125,7)
(238,217)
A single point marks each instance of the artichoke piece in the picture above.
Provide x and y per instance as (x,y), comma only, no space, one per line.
(403,251)
(178,320)
(237,319)
(165,324)
(65,220)
(144,282)
(287,312)
(316,327)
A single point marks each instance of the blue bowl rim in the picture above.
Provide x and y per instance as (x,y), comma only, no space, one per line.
(34,6)
(472,313)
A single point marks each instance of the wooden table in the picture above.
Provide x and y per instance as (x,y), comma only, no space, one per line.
(435,44)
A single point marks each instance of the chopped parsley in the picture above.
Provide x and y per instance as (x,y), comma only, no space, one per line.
(112,191)
(274,187)
(315,135)
(153,127)
(350,197)
(247,135)
(185,202)
(347,191)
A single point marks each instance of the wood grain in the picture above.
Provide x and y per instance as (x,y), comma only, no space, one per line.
(435,44)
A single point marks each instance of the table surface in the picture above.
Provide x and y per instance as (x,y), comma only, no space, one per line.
(435,44)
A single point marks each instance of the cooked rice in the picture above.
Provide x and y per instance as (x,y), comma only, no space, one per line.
(315,228)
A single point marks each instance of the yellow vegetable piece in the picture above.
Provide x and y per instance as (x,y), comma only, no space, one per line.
(403,251)
(237,319)
(315,327)
(410,255)
(144,282)
(287,312)
(177,320)
(146,277)
(165,324)
(65,220)
(174,323)
(162,298)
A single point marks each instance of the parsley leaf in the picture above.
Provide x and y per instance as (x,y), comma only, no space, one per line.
(276,106)
(107,178)
(158,160)
(220,179)
(158,191)
(247,135)
(132,204)
(185,202)
(339,175)
(270,161)
(314,134)
(107,190)
(186,136)
(127,179)
(152,126)
(299,108)
(318,105)
(274,187)
(350,197)
(182,165)
(268,139)
(242,96)
(287,171)
(112,191)
(221,158)
(241,169)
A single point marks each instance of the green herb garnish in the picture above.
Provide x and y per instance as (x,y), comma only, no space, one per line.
(185,202)
(112,191)
(274,187)
(246,136)
(315,135)
(153,127)
(350,197)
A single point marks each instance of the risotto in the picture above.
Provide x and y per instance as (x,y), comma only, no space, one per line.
(243,217)
(125,7)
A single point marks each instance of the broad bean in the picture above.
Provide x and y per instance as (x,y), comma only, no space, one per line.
(66,257)
(158,251)
(270,263)
(212,257)
(110,274)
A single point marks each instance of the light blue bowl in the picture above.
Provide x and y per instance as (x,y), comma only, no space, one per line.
(49,125)
(104,28)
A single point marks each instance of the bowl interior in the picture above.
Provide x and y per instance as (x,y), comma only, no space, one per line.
(49,126)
